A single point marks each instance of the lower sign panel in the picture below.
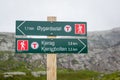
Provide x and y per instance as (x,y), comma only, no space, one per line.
(38,45)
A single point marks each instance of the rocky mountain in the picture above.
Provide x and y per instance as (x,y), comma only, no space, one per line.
(7,41)
(103,54)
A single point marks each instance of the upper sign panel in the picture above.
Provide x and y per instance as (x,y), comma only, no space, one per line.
(47,28)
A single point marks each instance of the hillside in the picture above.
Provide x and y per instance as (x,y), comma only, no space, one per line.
(103,55)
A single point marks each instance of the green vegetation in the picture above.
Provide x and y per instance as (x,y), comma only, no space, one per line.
(70,75)
(86,75)
(27,77)
(10,63)
(112,76)
(77,75)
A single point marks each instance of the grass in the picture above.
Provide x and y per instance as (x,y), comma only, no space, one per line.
(27,77)
(11,65)
(66,74)
(77,75)
(112,76)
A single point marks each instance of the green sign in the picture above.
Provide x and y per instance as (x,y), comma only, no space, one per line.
(44,45)
(47,28)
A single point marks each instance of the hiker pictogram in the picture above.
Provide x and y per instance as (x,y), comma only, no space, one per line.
(22,45)
(80,29)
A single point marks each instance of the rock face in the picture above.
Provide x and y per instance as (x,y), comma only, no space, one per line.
(39,73)
(7,42)
(103,54)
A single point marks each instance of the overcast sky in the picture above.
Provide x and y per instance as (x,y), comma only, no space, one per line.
(99,14)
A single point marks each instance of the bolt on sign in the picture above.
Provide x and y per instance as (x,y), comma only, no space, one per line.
(47,45)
